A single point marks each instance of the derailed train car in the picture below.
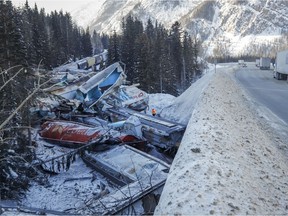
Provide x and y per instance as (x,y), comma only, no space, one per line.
(96,62)
(101,85)
(75,134)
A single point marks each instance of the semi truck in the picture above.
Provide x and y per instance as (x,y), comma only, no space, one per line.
(257,62)
(281,65)
(242,63)
(264,63)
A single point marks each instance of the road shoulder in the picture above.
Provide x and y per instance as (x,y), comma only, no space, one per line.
(228,162)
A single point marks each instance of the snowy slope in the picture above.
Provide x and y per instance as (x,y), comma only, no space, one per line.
(87,12)
(110,13)
(232,24)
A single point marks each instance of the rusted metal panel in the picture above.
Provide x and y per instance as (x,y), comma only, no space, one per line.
(71,133)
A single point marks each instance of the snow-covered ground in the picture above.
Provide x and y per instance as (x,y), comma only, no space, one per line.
(231,160)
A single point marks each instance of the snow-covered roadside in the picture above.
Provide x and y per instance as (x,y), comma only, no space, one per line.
(228,162)
(179,109)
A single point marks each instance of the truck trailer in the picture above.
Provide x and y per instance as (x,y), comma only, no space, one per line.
(264,63)
(281,65)
(257,62)
(242,63)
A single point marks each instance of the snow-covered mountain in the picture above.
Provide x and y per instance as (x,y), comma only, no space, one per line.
(233,25)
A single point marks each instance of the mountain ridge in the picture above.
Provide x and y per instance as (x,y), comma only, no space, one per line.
(223,25)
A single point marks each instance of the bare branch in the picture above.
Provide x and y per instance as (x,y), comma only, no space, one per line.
(5,71)
(11,79)
(22,104)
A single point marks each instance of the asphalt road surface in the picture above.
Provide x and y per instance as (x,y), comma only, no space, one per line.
(266,90)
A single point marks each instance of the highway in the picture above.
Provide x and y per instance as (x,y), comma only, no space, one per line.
(265,90)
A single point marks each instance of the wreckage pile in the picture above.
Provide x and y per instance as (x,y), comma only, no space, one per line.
(105,106)
(96,118)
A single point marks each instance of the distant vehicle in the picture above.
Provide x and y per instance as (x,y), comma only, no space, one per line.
(281,65)
(264,63)
(240,62)
(257,62)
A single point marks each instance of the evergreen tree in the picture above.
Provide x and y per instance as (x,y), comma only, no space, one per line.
(142,74)
(36,56)
(71,47)
(2,33)
(105,41)
(19,50)
(163,57)
(176,51)
(13,50)
(195,53)
(44,48)
(96,43)
(150,31)
(188,60)
(66,32)
(26,17)
(114,48)
(56,55)
(63,38)
(159,61)
(76,44)
(132,28)
(86,41)
(152,68)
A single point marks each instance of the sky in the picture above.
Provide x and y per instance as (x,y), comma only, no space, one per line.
(51,5)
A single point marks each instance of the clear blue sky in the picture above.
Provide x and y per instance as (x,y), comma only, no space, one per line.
(51,5)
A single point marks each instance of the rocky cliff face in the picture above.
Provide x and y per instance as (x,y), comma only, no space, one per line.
(234,24)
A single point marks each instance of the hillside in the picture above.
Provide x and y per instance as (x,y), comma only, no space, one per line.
(234,27)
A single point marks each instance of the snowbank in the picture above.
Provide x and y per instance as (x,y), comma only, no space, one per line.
(181,108)
(229,161)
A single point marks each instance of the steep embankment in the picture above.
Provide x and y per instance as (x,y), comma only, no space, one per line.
(229,161)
